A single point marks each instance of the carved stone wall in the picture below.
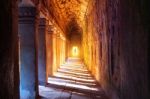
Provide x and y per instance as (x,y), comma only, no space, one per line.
(122,30)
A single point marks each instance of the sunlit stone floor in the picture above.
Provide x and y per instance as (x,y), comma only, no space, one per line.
(72,81)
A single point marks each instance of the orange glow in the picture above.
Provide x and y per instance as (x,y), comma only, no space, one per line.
(75,51)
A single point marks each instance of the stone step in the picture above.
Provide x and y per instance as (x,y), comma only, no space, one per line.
(75,73)
(63,80)
(75,87)
(74,66)
(74,70)
(74,76)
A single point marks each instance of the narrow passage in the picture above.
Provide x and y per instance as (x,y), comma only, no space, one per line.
(72,81)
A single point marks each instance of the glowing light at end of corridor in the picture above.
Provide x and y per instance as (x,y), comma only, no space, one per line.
(75,51)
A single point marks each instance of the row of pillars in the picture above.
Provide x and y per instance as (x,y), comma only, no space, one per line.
(59,54)
(41,51)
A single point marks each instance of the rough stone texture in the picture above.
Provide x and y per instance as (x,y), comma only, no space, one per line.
(64,11)
(129,30)
(95,40)
(122,27)
(9,68)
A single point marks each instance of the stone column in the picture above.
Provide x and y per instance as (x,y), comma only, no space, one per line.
(42,51)
(61,50)
(64,58)
(67,49)
(62,54)
(49,50)
(54,52)
(57,51)
(64,51)
(28,61)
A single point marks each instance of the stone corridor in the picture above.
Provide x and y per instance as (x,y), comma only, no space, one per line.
(74,49)
(72,81)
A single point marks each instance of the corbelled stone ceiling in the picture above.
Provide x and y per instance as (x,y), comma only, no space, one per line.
(69,14)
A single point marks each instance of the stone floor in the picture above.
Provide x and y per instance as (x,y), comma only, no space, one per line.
(72,81)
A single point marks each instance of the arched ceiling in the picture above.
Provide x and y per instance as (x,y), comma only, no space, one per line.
(69,14)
